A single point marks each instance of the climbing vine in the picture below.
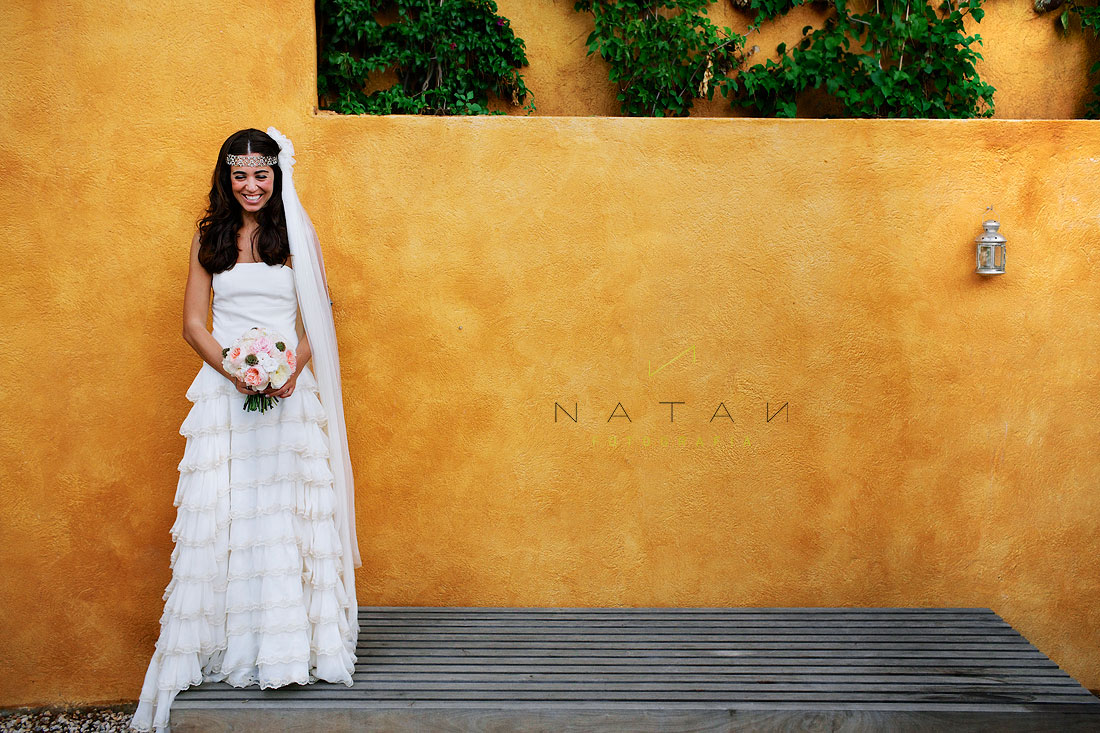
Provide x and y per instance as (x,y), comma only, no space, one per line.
(903,58)
(1089,15)
(448,57)
(663,55)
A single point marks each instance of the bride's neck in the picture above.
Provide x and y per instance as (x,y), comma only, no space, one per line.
(248,228)
(246,233)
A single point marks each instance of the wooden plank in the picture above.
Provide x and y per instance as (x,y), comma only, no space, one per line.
(521,668)
(655,655)
(673,620)
(735,645)
(731,693)
(375,679)
(881,625)
(732,701)
(694,626)
(1034,664)
(840,663)
(701,652)
(715,637)
(951,634)
(648,721)
(679,616)
(311,703)
(685,614)
(522,680)
(724,671)
(664,619)
(705,633)
(676,610)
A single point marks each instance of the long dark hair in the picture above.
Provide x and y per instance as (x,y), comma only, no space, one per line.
(218,228)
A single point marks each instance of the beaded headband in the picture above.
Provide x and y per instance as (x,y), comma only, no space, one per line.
(246,161)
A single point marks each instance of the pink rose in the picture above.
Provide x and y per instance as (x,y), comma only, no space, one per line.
(291,359)
(235,354)
(263,344)
(255,377)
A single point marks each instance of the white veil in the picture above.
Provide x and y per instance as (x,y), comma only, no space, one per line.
(315,305)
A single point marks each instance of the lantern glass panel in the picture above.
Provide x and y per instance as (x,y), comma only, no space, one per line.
(985,256)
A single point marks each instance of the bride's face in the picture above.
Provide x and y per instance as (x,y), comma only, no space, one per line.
(252,186)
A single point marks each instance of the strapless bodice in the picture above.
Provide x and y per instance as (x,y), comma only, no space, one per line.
(254,294)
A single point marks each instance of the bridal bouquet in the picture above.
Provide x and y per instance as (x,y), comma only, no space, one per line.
(260,358)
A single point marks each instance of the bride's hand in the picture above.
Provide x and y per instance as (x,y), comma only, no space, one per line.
(243,388)
(287,389)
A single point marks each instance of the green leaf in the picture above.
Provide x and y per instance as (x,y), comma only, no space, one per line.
(477,49)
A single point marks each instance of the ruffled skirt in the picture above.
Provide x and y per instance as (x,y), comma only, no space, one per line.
(256,595)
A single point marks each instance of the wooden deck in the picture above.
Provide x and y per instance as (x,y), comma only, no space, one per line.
(669,669)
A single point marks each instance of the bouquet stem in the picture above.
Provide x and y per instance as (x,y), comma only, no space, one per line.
(259,402)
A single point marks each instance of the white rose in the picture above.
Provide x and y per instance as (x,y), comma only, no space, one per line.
(279,376)
(269,363)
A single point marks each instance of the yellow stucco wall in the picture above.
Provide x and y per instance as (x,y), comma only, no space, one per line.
(940,448)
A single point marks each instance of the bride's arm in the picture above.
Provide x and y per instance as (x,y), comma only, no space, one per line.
(196,305)
(304,355)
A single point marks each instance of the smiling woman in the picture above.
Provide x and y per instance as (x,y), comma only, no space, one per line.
(244,219)
(252,185)
(263,588)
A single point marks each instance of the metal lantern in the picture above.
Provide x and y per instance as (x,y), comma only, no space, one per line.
(990,249)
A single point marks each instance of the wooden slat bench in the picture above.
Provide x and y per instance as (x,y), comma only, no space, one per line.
(649,669)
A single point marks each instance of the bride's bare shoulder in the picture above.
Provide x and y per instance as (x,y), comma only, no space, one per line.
(195,269)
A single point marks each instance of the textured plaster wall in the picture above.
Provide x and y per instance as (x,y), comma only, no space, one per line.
(938,447)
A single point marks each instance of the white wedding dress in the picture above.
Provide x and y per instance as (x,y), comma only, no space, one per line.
(256,595)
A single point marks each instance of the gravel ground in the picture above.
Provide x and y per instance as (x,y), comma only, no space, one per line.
(109,719)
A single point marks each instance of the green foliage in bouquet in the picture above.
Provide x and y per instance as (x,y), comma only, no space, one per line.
(448,56)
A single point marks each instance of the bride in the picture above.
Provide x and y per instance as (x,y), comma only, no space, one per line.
(263,587)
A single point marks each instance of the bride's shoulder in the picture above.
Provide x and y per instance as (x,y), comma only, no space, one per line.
(195,270)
